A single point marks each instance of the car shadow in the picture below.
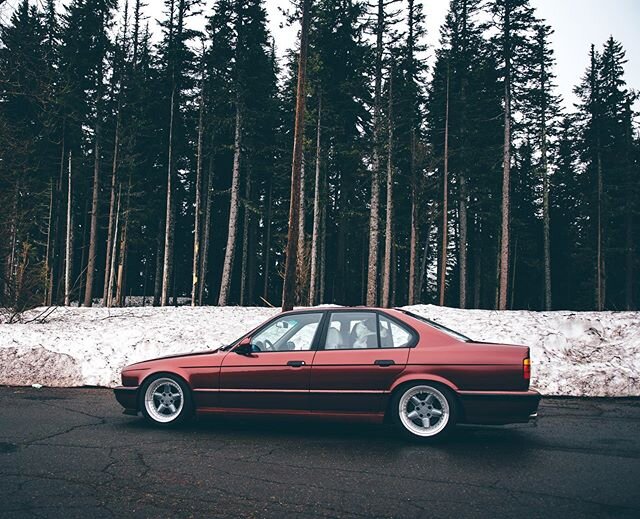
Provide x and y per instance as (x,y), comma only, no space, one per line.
(270,428)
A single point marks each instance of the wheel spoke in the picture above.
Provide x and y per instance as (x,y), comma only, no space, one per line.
(428,399)
(415,400)
(158,395)
(413,415)
(436,412)
(172,408)
(425,422)
(161,408)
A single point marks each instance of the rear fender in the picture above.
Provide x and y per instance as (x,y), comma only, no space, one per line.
(427,377)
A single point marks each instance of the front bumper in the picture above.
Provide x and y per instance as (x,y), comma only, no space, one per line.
(127,397)
(499,407)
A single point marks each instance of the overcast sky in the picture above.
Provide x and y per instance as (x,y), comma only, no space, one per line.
(577,24)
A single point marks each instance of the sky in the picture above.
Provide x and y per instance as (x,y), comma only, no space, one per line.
(577,24)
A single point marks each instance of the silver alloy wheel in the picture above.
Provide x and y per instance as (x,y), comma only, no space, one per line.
(424,411)
(164,400)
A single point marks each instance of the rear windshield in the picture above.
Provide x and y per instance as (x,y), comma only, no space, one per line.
(439,326)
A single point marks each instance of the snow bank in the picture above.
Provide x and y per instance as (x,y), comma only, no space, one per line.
(573,353)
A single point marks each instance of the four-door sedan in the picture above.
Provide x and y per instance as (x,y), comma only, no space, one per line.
(355,363)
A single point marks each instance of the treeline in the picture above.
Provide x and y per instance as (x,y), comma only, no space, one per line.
(129,167)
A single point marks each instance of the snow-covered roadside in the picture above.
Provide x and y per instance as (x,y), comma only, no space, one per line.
(573,353)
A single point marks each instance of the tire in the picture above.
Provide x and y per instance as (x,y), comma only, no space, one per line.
(165,400)
(424,411)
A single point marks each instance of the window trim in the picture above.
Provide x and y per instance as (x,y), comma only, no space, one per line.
(415,336)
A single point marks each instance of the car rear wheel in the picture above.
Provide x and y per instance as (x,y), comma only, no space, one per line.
(425,411)
(166,400)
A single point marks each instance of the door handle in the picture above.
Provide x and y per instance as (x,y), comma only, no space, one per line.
(384,363)
(295,363)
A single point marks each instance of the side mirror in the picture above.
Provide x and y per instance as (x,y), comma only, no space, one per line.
(244,348)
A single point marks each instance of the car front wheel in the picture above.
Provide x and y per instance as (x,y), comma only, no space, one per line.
(166,400)
(424,411)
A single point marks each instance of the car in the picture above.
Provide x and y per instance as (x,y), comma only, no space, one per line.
(357,363)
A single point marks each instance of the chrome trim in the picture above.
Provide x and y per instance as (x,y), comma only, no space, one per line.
(251,390)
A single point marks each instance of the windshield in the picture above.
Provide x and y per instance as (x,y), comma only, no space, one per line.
(439,326)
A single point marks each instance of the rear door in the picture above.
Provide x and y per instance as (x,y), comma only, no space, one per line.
(276,374)
(360,355)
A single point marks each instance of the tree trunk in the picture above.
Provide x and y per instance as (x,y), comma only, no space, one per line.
(374,215)
(600,297)
(245,240)
(56,273)
(321,252)
(47,262)
(122,260)
(289,285)
(68,242)
(112,199)
(204,261)
(167,265)
(267,243)
(313,286)
(108,299)
(462,252)
(230,251)
(93,237)
(413,244)
(503,283)
(545,187)
(196,276)
(301,260)
(423,263)
(388,237)
(157,281)
(445,202)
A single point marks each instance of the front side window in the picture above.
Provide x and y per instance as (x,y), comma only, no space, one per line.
(288,333)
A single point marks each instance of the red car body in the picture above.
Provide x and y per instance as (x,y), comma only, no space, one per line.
(490,381)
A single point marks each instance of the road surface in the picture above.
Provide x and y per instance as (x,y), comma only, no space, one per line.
(71,453)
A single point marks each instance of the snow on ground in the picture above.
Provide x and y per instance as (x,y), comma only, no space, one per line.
(573,353)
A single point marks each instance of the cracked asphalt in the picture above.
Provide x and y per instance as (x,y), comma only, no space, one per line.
(71,453)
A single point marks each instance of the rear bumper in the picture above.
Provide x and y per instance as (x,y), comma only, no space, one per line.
(127,397)
(498,407)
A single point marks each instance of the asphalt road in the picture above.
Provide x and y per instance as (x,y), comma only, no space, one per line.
(71,453)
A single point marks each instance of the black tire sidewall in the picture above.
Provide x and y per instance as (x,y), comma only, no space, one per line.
(451,401)
(187,406)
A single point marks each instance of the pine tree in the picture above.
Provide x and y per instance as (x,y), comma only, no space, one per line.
(514,19)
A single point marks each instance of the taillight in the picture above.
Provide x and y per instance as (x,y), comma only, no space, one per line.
(526,369)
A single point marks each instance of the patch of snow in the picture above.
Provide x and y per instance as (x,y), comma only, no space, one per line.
(573,353)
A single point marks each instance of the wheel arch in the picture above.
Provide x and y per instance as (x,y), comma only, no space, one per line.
(160,373)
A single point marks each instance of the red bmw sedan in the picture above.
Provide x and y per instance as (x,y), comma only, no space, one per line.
(353,363)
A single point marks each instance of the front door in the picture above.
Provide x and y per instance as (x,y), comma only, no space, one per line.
(275,375)
(360,356)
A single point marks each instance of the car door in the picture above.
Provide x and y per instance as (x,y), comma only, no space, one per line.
(275,375)
(357,361)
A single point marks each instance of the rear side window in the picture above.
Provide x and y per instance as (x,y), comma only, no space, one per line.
(365,330)
(352,330)
(394,335)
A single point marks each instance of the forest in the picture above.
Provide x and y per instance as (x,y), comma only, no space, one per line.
(134,164)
